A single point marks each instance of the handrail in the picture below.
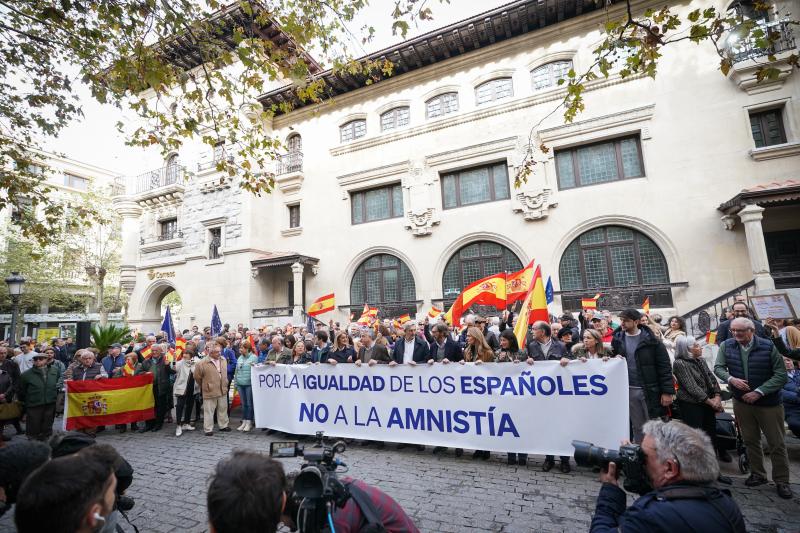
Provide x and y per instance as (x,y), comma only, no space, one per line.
(700,319)
(719,299)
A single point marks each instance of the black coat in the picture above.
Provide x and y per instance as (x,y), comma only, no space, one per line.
(555,353)
(724,331)
(421,350)
(161,382)
(452,351)
(655,370)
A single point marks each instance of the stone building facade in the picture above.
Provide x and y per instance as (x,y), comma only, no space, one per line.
(681,188)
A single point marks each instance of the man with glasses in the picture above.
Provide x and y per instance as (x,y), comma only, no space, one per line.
(740,310)
(755,373)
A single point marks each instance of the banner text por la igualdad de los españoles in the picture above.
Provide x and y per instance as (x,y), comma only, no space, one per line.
(503,407)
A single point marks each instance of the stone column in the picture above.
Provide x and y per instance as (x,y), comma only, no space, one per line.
(130,212)
(297,275)
(751,216)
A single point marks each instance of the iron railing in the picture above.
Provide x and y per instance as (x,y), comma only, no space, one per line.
(166,236)
(160,177)
(619,298)
(778,33)
(212,163)
(710,315)
(291,162)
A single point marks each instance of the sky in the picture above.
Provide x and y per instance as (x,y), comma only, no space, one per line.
(95,139)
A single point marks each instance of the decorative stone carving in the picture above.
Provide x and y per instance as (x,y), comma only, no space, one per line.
(729,221)
(536,204)
(214,185)
(421,222)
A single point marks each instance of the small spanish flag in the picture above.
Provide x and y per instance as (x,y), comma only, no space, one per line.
(711,337)
(646,306)
(369,314)
(403,319)
(146,352)
(323,304)
(434,312)
(180,347)
(590,303)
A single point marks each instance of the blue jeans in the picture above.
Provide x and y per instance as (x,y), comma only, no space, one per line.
(246,394)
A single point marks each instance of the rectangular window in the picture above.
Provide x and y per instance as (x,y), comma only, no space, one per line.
(168,229)
(219,151)
(475,185)
(602,162)
(76,182)
(294,216)
(767,127)
(214,243)
(377,204)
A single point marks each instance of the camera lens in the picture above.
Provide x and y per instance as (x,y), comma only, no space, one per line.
(587,454)
(308,483)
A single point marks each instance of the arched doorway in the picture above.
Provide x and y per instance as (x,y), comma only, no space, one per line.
(624,265)
(154,305)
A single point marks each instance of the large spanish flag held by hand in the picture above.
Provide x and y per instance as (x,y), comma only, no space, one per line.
(538,305)
(490,290)
(518,284)
(103,402)
(323,304)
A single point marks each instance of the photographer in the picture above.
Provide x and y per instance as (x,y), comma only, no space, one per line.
(249,493)
(681,466)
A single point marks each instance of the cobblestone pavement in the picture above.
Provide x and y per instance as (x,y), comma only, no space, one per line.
(441,493)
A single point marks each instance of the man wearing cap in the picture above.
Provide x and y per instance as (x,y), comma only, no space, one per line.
(650,385)
(114,359)
(568,322)
(38,388)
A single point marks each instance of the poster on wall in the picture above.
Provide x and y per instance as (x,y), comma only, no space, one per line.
(68,330)
(772,306)
(47,334)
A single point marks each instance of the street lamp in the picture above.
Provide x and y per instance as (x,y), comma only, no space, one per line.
(15,284)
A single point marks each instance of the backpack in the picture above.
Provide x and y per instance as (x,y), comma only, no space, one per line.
(368,509)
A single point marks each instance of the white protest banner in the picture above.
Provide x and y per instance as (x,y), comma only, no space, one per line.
(504,407)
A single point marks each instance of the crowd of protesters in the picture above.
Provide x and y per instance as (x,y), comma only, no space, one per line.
(664,364)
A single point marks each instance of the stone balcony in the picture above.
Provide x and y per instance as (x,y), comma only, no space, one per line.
(289,174)
(158,185)
(748,58)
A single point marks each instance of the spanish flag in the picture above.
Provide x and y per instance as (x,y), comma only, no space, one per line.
(180,347)
(369,314)
(646,306)
(518,284)
(434,312)
(323,304)
(590,303)
(538,303)
(104,402)
(403,319)
(146,352)
(711,337)
(490,290)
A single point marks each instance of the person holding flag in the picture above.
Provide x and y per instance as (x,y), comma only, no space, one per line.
(131,367)
(184,390)
(162,388)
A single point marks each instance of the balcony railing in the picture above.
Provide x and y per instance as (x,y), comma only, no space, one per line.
(778,32)
(710,315)
(166,236)
(160,177)
(618,298)
(291,162)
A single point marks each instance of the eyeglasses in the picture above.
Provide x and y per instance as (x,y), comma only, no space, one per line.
(739,330)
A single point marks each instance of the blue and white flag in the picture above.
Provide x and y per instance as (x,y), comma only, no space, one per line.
(167,326)
(216,323)
(548,291)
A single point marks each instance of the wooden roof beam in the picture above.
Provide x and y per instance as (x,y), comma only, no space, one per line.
(541,10)
(506,24)
(523,18)
(560,9)
(443,46)
(473,33)
(458,40)
(415,56)
(488,27)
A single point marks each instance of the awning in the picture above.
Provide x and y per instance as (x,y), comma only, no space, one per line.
(771,194)
(277,259)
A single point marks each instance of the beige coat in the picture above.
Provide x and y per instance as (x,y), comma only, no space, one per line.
(209,380)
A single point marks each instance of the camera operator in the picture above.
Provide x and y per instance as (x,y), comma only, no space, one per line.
(681,466)
(249,493)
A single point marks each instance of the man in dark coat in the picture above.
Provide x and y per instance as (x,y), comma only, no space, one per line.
(443,348)
(684,497)
(740,310)
(162,388)
(650,385)
(321,347)
(410,349)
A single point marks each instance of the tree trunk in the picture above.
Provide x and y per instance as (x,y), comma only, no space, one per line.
(101,307)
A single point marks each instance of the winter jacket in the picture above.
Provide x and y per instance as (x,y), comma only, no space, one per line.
(579,350)
(11,370)
(320,355)
(696,383)
(79,372)
(763,364)
(161,373)
(679,507)
(38,386)
(724,331)
(284,356)
(556,351)
(342,356)
(505,356)
(652,363)
(380,354)
(183,373)
(208,380)
(790,395)
(421,350)
(112,363)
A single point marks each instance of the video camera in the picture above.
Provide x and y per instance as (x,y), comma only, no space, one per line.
(629,458)
(316,491)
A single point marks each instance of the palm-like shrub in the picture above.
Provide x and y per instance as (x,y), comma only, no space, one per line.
(104,336)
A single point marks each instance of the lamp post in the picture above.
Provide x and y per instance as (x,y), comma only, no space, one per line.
(15,284)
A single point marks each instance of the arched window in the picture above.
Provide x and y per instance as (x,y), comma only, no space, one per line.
(395,118)
(473,262)
(549,74)
(614,260)
(441,105)
(747,9)
(355,129)
(493,90)
(294,143)
(170,172)
(385,281)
